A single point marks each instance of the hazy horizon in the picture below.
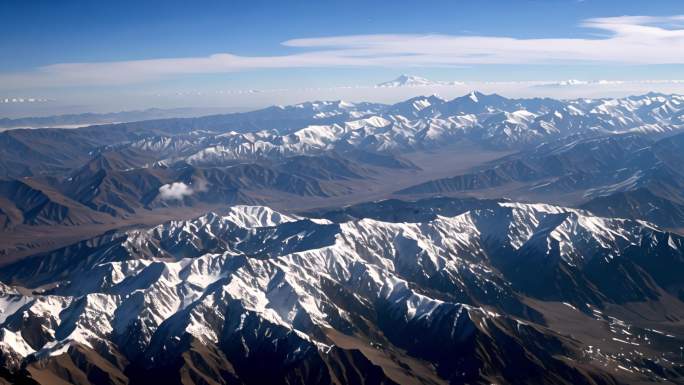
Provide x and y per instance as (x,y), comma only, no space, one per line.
(79,57)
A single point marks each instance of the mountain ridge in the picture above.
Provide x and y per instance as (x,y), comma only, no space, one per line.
(276,277)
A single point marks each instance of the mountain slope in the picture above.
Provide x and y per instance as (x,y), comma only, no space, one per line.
(626,176)
(326,301)
(30,203)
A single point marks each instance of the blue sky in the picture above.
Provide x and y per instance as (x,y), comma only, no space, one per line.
(283,45)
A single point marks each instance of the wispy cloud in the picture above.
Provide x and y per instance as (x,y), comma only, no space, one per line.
(624,40)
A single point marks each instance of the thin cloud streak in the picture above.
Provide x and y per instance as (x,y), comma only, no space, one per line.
(640,40)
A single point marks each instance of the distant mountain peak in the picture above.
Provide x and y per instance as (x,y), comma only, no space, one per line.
(407,81)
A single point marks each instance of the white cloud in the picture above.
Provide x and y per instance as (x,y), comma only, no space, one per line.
(625,40)
(175,191)
(6,100)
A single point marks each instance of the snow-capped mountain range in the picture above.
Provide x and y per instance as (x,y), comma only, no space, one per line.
(314,127)
(425,122)
(214,296)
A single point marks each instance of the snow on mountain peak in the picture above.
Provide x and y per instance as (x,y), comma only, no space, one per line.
(216,275)
(424,120)
(256,216)
(407,81)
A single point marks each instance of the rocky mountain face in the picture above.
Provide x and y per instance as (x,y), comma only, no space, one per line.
(469,292)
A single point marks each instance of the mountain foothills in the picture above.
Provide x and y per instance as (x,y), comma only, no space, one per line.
(476,240)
